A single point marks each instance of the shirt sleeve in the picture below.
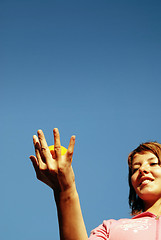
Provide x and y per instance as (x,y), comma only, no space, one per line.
(101,232)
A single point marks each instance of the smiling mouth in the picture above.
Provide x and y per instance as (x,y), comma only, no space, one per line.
(145,182)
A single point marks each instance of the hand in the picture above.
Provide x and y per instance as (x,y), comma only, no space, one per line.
(54,169)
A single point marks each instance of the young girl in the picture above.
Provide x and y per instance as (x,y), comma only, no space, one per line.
(144,198)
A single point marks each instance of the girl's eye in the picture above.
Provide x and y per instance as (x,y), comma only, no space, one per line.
(134,170)
(153,164)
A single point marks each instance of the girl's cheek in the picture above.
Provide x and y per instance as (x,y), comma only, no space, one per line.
(133,181)
(158,169)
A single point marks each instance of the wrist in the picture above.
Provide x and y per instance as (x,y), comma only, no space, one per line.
(66,195)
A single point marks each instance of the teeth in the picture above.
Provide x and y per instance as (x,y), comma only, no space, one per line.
(146,181)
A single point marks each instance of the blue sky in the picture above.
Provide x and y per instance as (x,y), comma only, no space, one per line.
(91,68)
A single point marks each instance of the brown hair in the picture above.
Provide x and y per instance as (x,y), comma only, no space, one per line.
(136,204)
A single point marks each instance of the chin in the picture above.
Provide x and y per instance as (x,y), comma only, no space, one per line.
(148,196)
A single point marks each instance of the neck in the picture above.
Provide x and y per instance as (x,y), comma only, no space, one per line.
(154,207)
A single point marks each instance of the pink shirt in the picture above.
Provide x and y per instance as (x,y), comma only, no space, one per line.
(145,226)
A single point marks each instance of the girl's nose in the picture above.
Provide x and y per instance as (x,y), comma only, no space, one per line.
(144,169)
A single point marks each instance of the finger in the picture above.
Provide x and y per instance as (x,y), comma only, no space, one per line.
(34,162)
(53,154)
(70,149)
(44,148)
(39,156)
(36,167)
(57,144)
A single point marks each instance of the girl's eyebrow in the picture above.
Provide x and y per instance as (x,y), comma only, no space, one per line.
(152,158)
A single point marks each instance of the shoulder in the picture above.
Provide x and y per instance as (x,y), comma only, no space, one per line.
(120,227)
(103,230)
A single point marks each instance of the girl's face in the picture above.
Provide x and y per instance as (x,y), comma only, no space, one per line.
(146,176)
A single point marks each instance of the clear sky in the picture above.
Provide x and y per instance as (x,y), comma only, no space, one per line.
(91,68)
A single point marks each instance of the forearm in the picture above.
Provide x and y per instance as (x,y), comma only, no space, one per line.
(71,223)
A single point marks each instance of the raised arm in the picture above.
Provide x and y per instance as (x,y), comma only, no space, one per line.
(56,171)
